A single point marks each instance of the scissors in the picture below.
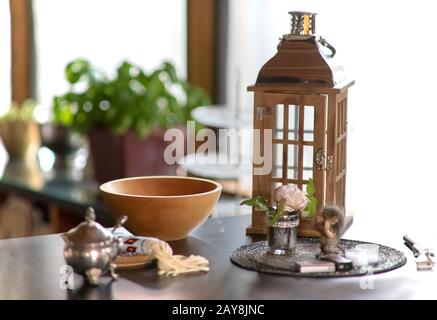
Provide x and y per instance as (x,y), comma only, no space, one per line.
(424,257)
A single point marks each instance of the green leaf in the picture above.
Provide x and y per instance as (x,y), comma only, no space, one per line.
(133,99)
(76,69)
(124,70)
(277,215)
(156,88)
(249,202)
(142,128)
(171,71)
(258,202)
(311,188)
(65,116)
(311,207)
(262,204)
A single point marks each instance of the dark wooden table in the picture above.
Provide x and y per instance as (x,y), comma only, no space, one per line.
(30,269)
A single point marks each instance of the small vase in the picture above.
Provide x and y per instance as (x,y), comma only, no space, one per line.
(282,235)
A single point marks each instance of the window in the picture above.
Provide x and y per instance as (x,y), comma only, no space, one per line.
(387,47)
(5,57)
(105,32)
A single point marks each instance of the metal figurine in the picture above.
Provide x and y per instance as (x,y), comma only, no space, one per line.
(330,224)
(90,249)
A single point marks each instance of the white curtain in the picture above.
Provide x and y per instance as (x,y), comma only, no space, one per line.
(389,48)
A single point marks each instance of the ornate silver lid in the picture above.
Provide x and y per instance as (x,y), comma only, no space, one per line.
(88,231)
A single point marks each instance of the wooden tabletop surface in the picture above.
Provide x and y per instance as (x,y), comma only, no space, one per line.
(30,269)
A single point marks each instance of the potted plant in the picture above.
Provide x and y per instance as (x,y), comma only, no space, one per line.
(19,131)
(125,116)
(283,218)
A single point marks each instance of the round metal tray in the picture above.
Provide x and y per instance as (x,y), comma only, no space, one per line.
(255,257)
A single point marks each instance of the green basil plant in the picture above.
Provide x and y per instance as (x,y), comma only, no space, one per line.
(131,100)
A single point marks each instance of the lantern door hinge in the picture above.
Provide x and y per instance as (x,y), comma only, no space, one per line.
(323,162)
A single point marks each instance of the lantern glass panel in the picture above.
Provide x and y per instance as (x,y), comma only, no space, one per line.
(304,187)
(278,156)
(309,123)
(292,161)
(279,122)
(293,122)
(307,162)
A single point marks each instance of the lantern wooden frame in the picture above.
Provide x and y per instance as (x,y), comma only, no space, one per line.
(302,79)
(328,144)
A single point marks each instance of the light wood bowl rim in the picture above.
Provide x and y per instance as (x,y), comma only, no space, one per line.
(104,187)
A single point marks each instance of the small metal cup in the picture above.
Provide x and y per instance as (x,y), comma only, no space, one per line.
(282,235)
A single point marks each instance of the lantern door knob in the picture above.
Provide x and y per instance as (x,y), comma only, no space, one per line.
(324,162)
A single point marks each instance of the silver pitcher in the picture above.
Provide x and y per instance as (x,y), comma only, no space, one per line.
(90,249)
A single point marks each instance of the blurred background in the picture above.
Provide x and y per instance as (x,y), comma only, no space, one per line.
(206,53)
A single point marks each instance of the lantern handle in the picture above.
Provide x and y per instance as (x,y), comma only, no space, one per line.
(326,44)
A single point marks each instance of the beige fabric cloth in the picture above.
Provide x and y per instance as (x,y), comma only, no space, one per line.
(173,265)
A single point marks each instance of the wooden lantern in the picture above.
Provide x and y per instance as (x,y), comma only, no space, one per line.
(301,95)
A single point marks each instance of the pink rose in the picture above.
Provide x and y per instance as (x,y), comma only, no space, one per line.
(291,197)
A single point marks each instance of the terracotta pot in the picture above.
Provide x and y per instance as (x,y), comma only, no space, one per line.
(20,138)
(168,208)
(128,155)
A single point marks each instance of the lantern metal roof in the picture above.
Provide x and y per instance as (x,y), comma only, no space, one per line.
(302,59)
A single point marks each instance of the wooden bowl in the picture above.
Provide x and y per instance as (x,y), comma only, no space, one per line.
(165,207)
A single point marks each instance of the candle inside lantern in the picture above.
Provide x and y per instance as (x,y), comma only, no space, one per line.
(306,24)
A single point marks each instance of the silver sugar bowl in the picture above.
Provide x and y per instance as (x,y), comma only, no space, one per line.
(90,249)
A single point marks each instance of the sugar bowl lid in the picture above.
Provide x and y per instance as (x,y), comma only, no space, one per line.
(89,231)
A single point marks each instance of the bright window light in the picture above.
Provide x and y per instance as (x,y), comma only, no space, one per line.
(105,32)
(5,57)
(388,47)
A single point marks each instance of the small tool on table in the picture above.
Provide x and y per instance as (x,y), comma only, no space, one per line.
(424,257)
(341,263)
